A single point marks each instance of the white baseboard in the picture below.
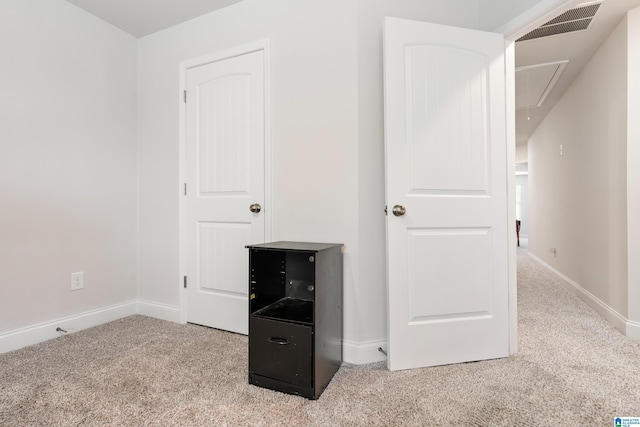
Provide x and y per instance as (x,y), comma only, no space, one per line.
(159,311)
(612,316)
(360,353)
(633,330)
(35,334)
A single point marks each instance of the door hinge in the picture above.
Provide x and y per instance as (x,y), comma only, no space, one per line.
(185,281)
(185,188)
(184,96)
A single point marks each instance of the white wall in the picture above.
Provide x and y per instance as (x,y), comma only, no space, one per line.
(313,129)
(522,153)
(578,199)
(67,162)
(326,136)
(633,171)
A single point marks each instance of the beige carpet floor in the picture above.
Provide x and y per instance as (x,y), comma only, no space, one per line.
(572,369)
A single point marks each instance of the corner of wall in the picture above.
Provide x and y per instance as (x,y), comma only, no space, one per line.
(361,353)
(35,334)
(166,312)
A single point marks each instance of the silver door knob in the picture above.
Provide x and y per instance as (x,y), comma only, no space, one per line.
(399,210)
(255,208)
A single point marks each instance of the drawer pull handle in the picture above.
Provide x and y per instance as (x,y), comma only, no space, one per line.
(279,340)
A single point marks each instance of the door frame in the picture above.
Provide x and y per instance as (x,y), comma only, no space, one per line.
(259,45)
(511,31)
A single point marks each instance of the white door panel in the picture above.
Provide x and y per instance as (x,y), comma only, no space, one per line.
(446,165)
(225,122)
(459,162)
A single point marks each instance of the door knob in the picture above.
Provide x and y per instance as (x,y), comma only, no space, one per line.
(255,208)
(399,210)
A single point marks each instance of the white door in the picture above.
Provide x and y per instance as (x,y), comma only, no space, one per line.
(446,178)
(225,166)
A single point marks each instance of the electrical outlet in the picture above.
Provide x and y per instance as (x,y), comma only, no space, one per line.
(77,280)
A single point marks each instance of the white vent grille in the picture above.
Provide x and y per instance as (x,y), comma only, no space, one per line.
(572,20)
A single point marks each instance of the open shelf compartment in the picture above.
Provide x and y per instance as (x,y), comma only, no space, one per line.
(289,309)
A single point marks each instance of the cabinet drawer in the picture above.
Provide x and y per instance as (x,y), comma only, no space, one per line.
(281,350)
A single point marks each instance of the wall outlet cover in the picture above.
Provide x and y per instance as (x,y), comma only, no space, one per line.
(77,280)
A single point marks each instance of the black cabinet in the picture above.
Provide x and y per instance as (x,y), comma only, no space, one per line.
(295,316)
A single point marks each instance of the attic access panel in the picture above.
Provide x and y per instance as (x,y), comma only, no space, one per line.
(534,83)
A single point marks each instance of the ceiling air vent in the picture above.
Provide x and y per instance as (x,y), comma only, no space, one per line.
(572,20)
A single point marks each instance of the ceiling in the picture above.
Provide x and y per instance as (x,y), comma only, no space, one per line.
(142,17)
(546,66)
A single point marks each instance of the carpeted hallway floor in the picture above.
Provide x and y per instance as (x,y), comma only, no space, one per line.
(572,369)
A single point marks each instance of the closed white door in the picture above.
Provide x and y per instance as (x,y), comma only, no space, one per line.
(446,189)
(225,167)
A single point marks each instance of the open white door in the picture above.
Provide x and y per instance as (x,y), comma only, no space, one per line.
(446,178)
